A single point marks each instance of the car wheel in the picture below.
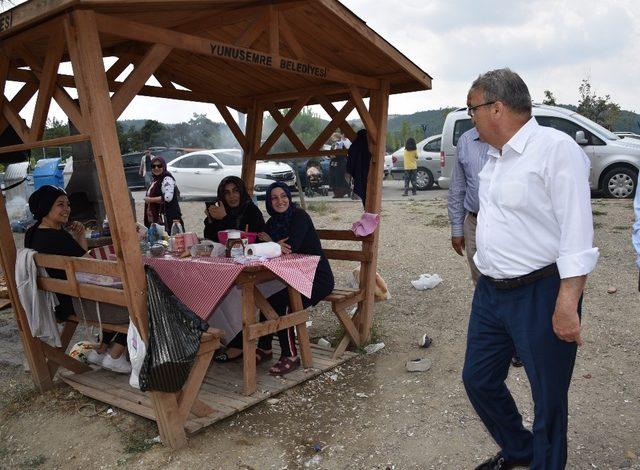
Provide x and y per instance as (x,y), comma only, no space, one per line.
(620,183)
(424,179)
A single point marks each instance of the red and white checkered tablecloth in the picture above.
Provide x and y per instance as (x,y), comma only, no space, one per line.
(200,283)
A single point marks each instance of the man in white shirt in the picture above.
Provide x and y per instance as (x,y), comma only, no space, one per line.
(535,248)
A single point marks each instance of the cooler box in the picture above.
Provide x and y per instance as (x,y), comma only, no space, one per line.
(48,171)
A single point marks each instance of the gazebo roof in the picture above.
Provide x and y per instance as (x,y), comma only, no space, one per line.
(236,50)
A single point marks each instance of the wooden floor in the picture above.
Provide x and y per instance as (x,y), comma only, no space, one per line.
(221,390)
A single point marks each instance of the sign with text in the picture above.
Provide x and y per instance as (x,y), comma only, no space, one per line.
(5,21)
(258,58)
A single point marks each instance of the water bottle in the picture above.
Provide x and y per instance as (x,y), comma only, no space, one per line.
(106,232)
(152,234)
(176,228)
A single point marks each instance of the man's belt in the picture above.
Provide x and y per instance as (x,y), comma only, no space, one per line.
(520,281)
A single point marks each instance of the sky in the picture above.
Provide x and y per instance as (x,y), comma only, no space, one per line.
(552,44)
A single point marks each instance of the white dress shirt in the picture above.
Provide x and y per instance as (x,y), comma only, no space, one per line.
(535,206)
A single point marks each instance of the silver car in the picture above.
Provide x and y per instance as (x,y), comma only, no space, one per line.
(428,162)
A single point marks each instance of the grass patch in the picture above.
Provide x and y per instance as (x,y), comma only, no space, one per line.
(4,452)
(598,212)
(17,399)
(621,227)
(597,225)
(34,462)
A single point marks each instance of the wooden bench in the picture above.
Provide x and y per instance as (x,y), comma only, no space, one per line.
(343,298)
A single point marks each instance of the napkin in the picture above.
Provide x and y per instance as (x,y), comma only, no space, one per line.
(263,250)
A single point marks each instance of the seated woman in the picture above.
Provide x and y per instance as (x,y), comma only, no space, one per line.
(161,201)
(293,229)
(234,210)
(50,208)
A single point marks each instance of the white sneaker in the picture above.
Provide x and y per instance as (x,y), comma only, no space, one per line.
(94,357)
(120,365)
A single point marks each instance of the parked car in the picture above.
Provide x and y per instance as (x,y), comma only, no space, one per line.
(199,173)
(614,161)
(630,135)
(388,165)
(428,162)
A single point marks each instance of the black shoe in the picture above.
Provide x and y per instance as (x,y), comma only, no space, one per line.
(498,462)
(516,362)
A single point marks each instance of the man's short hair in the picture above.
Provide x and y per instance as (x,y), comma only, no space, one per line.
(506,86)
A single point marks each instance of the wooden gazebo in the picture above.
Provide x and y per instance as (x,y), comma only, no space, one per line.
(252,56)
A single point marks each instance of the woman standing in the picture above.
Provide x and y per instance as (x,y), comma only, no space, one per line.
(161,201)
(50,207)
(410,165)
(293,229)
(234,209)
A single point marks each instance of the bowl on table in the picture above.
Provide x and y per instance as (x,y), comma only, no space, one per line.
(249,236)
(201,250)
(157,250)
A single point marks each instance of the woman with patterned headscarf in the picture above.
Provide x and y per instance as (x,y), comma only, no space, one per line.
(161,201)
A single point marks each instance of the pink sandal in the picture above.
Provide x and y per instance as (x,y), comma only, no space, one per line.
(284,366)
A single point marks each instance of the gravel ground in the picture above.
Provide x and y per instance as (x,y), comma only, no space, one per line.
(369,413)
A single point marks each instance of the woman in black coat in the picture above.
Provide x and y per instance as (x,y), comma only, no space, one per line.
(234,209)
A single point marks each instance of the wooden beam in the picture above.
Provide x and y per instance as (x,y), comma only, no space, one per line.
(118,67)
(136,80)
(338,119)
(45,143)
(225,51)
(19,125)
(286,122)
(331,110)
(18,102)
(290,39)
(254,137)
(295,301)
(253,31)
(274,30)
(63,99)
(47,84)
(233,126)
(288,131)
(345,235)
(163,79)
(372,131)
(70,81)
(305,154)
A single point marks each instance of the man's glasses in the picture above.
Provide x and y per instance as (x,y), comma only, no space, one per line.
(156,166)
(471,110)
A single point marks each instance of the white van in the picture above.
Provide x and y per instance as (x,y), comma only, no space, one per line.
(614,160)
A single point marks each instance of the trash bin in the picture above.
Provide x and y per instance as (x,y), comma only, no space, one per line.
(16,198)
(48,171)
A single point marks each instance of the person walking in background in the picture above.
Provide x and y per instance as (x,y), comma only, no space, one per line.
(161,201)
(535,250)
(145,168)
(338,167)
(410,166)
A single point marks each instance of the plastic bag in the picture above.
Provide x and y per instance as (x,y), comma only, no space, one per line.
(381,291)
(137,351)
(174,338)
(427,281)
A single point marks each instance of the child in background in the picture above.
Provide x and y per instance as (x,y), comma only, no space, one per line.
(410,165)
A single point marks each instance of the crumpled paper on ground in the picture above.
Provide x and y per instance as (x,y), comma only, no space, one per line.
(427,281)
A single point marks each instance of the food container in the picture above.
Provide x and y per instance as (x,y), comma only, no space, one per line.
(201,250)
(190,239)
(157,250)
(250,237)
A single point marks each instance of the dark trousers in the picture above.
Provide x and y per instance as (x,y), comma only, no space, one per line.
(519,320)
(410,177)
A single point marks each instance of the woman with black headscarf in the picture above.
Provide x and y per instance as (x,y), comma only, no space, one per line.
(234,209)
(161,201)
(50,207)
(293,229)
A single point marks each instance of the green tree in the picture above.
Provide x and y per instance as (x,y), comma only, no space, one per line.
(153,133)
(597,108)
(203,132)
(549,99)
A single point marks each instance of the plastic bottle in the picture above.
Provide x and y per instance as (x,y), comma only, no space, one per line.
(176,228)
(177,235)
(106,232)
(152,234)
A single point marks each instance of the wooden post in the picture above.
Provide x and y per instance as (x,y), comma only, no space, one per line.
(379,106)
(93,91)
(32,346)
(254,136)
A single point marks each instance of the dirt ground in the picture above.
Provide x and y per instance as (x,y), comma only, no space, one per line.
(369,413)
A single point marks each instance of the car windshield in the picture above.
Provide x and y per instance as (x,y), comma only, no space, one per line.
(229,157)
(595,127)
